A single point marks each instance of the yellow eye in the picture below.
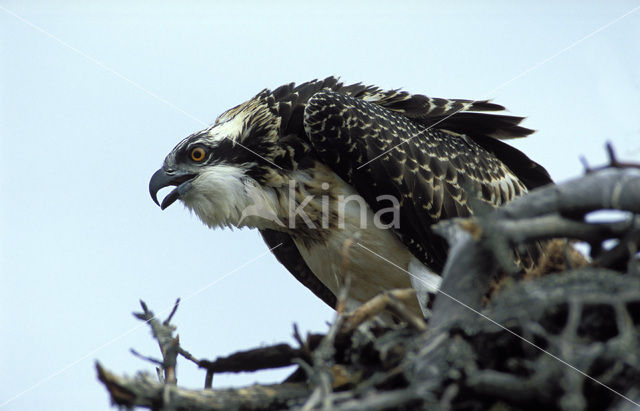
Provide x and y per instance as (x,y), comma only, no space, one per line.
(198,154)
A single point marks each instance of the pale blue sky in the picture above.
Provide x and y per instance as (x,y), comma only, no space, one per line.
(81,241)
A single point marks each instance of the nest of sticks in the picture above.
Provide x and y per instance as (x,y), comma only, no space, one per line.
(564,336)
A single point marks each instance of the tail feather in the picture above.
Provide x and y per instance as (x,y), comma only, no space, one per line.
(502,127)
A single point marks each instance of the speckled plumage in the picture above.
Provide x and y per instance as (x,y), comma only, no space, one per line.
(431,154)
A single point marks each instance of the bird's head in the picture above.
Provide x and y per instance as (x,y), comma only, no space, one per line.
(213,170)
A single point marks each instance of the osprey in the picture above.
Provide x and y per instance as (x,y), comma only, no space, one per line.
(321,165)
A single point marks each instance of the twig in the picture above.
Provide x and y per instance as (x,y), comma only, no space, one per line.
(173,311)
(208,379)
(275,356)
(146,358)
(187,355)
(399,308)
(377,305)
(320,375)
(617,257)
(163,333)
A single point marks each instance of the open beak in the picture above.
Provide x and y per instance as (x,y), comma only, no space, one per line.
(163,178)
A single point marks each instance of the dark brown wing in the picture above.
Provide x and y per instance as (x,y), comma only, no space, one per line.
(430,171)
(477,120)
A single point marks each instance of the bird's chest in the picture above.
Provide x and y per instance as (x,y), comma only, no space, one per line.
(359,245)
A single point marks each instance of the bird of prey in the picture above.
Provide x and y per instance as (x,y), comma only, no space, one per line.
(321,164)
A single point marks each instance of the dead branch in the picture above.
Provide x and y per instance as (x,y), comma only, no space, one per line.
(479,246)
(143,390)
(281,355)
(163,333)
(393,300)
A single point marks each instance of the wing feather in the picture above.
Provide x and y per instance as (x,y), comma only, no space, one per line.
(430,171)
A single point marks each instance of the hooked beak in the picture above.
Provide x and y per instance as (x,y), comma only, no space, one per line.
(163,178)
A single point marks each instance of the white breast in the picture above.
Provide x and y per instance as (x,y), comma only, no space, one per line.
(376,260)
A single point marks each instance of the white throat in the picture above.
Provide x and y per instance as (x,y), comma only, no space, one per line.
(224,196)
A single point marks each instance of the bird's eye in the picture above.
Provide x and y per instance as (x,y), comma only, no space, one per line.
(198,154)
